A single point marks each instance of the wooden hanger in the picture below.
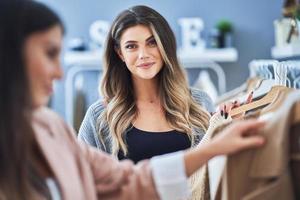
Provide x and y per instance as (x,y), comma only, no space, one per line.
(241,92)
(267,99)
(272,107)
(259,86)
(263,88)
(253,83)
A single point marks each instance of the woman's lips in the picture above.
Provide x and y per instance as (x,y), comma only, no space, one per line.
(146,65)
(49,90)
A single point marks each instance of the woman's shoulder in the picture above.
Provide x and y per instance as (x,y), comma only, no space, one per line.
(96,109)
(46,119)
(88,131)
(198,94)
(45,115)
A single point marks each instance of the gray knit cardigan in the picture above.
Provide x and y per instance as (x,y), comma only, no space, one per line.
(88,131)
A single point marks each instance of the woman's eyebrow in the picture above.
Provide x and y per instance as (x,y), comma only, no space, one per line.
(149,38)
(130,41)
(133,41)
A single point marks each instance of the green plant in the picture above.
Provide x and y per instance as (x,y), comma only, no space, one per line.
(296,12)
(224,26)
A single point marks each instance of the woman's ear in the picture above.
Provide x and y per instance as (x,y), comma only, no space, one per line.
(118,51)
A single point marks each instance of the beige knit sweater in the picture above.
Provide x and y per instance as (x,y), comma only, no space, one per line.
(199,182)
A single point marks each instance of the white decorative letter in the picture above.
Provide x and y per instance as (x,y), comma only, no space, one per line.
(98,32)
(191,29)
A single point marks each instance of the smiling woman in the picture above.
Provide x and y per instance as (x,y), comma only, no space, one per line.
(145,89)
(39,156)
(138,49)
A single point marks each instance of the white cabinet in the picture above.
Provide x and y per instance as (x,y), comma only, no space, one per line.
(289,50)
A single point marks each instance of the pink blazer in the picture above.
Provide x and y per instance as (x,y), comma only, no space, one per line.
(85,173)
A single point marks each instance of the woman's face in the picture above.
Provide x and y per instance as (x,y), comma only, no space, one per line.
(42,59)
(138,49)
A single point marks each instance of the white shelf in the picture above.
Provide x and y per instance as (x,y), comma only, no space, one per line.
(217,55)
(206,58)
(289,50)
(83,58)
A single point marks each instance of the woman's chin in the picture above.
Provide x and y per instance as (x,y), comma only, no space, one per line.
(41,102)
(147,76)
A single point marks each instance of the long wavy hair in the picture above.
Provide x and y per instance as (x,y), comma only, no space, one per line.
(19,177)
(181,111)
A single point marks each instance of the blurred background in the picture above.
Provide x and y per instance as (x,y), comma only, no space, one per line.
(216,40)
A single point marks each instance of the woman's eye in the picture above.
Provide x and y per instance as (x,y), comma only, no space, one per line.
(130,46)
(52,53)
(152,43)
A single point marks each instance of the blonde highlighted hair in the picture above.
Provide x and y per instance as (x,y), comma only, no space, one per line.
(181,111)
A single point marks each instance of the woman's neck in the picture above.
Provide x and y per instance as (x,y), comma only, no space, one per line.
(146,90)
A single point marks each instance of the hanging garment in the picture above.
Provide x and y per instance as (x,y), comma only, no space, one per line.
(199,181)
(265,173)
(243,90)
(211,181)
(269,98)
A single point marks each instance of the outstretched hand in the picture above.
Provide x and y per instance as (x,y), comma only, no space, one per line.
(238,136)
(226,107)
(119,177)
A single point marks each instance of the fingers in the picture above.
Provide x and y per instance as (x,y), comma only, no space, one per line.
(120,178)
(236,104)
(243,127)
(105,188)
(128,169)
(227,107)
(221,109)
(224,109)
(248,131)
(249,98)
(238,136)
(253,141)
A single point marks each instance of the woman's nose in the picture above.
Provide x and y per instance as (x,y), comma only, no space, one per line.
(143,53)
(58,72)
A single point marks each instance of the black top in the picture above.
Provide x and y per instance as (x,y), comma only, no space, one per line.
(144,144)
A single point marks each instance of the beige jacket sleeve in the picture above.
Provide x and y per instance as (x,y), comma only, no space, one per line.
(120,180)
(83,172)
